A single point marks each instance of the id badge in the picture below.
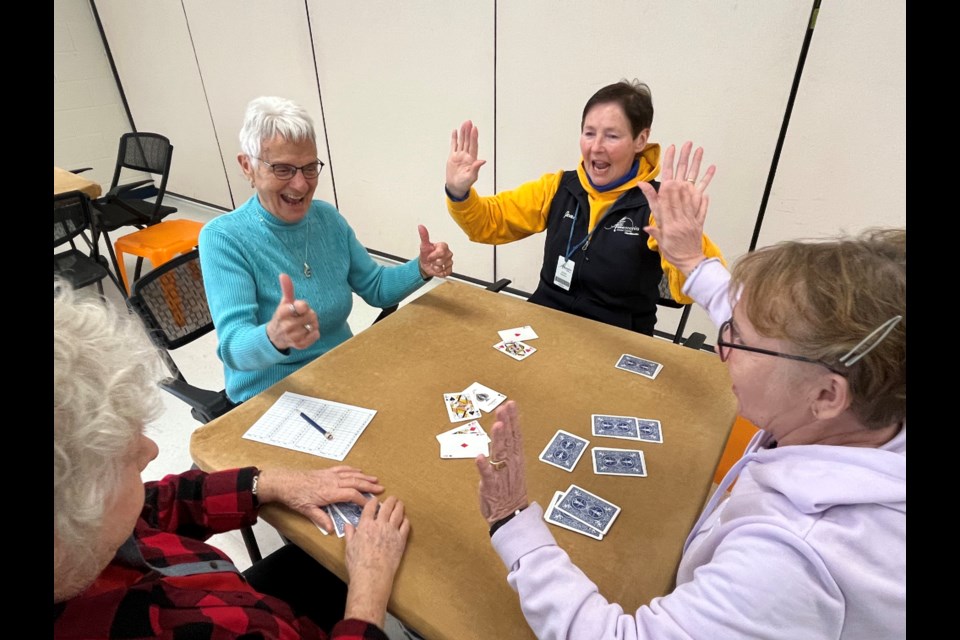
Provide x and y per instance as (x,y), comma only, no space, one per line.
(564,275)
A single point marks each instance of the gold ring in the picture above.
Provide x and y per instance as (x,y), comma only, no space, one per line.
(498,464)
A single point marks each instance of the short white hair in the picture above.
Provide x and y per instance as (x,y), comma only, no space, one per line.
(105,371)
(270,116)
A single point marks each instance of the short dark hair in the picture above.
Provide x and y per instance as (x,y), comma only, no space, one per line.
(633,97)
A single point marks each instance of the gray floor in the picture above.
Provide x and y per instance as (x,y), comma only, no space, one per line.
(201,367)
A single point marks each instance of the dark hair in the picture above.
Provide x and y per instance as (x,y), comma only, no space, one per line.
(633,97)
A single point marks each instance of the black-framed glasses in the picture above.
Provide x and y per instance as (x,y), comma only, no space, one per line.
(725,342)
(287,171)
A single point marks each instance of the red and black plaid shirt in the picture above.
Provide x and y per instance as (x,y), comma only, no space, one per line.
(135,599)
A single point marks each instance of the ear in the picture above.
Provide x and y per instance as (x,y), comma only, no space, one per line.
(640,142)
(831,397)
(245,166)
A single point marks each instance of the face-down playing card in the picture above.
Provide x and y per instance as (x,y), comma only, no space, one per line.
(559,518)
(640,366)
(615,426)
(564,450)
(588,508)
(618,462)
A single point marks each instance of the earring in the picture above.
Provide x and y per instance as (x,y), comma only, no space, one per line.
(252,185)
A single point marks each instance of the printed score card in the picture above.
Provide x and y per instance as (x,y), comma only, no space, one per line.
(282,425)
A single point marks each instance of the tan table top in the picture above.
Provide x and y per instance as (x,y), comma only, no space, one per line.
(64,181)
(450,583)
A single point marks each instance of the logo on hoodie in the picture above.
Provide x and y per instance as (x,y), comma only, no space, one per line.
(624,225)
(568,215)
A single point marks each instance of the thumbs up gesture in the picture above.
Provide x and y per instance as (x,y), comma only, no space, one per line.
(436,259)
(294,324)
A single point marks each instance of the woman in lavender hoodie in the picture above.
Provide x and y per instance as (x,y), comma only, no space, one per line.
(811,542)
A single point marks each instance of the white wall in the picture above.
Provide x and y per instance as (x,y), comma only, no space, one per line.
(393,79)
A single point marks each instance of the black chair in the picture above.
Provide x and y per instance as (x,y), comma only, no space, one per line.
(695,340)
(71,218)
(124,205)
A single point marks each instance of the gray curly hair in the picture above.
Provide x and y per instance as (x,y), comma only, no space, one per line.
(104,391)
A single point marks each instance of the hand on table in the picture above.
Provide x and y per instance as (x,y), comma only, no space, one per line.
(680,208)
(463,168)
(503,490)
(373,554)
(309,491)
(294,323)
(436,259)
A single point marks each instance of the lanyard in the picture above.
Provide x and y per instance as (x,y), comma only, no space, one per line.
(570,237)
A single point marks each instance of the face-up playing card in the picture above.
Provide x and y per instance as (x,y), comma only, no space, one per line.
(337,518)
(640,366)
(520,333)
(618,462)
(465,441)
(588,508)
(564,450)
(484,398)
(460,407)
(559,518)
(615,426)
(516,350)
(649,430)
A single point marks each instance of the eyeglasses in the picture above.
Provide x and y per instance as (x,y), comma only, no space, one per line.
(287,171)
(725,342)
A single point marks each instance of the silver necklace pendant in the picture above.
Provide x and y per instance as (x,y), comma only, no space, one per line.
(307,271)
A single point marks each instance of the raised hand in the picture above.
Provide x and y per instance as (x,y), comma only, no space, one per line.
(503,479)
(309,491)
(679,209)
(463,168)
(294,323)
(436,259)
(373,554)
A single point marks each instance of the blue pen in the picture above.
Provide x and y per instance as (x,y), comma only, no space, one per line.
(313,424)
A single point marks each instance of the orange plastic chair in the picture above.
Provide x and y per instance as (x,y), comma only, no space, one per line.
(740,436)
(158,243)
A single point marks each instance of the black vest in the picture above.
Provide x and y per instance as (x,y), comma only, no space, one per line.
(616,279)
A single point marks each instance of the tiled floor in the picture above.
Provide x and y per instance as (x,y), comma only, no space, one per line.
(200,366)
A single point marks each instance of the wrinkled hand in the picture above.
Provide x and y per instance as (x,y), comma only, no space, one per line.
(463,168)
(436,259)
(309,491)
(680,208)
(294,323)
(373,554)
(503,491)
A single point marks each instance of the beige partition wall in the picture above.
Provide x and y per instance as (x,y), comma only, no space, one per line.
(152,50)
(844,160)
(250,48)
(396,78)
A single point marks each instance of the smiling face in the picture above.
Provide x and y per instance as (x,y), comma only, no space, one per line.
(607,143)
(288,200)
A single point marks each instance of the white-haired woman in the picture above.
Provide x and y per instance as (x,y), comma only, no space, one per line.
(811,542)
(280,270)
(129,559)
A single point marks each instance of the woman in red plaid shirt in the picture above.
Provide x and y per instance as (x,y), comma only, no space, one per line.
(129,557)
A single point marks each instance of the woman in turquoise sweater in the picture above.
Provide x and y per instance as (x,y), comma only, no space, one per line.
(279,271)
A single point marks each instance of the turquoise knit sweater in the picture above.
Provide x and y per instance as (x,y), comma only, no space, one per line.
(243,253)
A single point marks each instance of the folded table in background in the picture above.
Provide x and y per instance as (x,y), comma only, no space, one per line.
(451,584)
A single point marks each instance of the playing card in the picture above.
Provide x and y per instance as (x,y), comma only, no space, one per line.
(516,350)
(460,407)
(564,450)
(650,430)
(484,398)
(337,518)
(519,333)
(615,426)
(559,518)
(472,428)
(350,511)
(633,364)
(618,462)
(588,508)
(465,441)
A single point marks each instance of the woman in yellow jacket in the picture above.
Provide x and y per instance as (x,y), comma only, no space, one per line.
(599,262)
